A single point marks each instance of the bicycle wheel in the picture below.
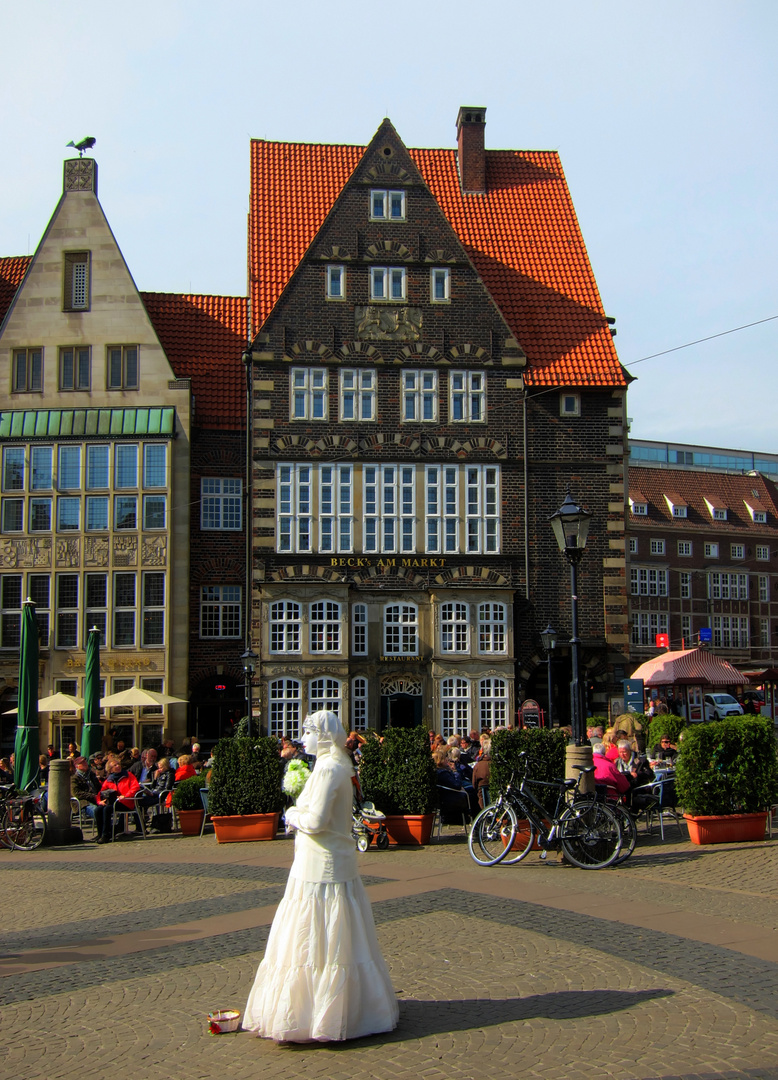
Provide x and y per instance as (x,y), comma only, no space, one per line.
(24,826)
(524,839)
(492,834)
(629,831)
(590,835)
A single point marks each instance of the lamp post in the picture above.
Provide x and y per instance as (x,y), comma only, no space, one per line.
(249,659)
(548,637)
(571,529)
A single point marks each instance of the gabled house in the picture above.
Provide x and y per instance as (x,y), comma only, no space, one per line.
(432,369)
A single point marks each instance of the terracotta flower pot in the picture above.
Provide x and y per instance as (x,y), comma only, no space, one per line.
(727,828)
(191,821)
(521,837)
(413,829)
(238,828)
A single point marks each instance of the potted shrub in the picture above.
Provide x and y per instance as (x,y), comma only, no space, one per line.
(189,806)
(545,746)
(398,775)
(245,797)
(727,778)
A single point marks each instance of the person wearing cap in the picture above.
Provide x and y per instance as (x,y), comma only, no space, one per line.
(84,786)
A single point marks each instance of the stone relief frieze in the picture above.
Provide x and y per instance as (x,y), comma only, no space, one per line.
(27,551)
(125,551)
(68,551)
(154,551)
(378,323)
(95,551)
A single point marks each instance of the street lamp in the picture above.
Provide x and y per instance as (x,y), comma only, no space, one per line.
(571,529)
(548,637)
(249,659)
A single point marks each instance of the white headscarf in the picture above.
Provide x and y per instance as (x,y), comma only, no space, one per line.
(330,734)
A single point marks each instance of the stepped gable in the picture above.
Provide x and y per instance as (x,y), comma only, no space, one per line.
(725,490)
(521,234)
(204,338)
(12,271)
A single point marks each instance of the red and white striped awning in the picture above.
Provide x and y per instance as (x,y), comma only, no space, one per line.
(689,667)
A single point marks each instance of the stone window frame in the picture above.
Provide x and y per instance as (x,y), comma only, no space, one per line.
(456,706)
(364,390)
(285,627)
(285,698)
(389,198)
(415,391)
(440,275)
(309,394)
(79,360)
(27,370)
(404,640)
(492,628)
(335,288)
(390,277)
(325,636)
(468,399)
(454,627)
(76,280)
(125,376)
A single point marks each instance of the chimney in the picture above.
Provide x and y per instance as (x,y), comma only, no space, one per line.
(471,123)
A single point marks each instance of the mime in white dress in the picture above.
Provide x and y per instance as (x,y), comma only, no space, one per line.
(323,976)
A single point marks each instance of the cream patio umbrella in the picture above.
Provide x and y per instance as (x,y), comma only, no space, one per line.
(55,703)
(137,696)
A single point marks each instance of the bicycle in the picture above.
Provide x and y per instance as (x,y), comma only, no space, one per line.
(23,821)
(586,830)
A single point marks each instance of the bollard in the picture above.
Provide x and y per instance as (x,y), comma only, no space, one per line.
(579,755)
(59,830)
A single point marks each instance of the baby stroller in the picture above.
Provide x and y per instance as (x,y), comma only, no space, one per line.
(367,823)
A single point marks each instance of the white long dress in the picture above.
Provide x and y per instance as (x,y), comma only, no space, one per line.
(323,976)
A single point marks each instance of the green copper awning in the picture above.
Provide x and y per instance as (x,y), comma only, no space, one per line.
(87,423)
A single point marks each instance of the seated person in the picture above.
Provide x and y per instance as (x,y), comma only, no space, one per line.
(481,771)
(465,771)
(84,785)
(452,798)
(185,768)
(143,769)
(156,790)
(632,763)
(664,751)
(118,788)
(6,772)
(605,772)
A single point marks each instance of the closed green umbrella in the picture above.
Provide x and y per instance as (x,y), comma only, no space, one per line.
(91,737)
(27,744)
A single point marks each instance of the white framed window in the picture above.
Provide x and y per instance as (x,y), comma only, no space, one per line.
(711,551)
(633,545)
(124,610)
(389,508)
(96,606)
(285,707)
(122,367)
(69,468)
(645,627)
(13,468)
(737,551)
(727,586)
(336,283)
(454,628)
(10,611)
(719,513)
(294,483)
(357,394)
(764,633)
(442,513)
(492,628)
(440,285)
(220,611)
(763,552)
(401,630)
(359,704)
(153,608)
(41,476)
(454,706)
(76,281)
(639,509)
(40,515)
(763,582)
(730,632)
(686,630)
(684,548)
(647,581)
(75,364)
(680,511)
(492,703)
(67,610)
(221,503)
(27,371)
(324,627)
(285,627)
(686,584)
(154,465)
(359,629)
(760,517)
(467,393)
(68,514)
(388,283)
(570,405)
(482,508)
(657,547)
(420,396)
(324,693)
(309,394)
(97,467)
(387,205)
(336,510)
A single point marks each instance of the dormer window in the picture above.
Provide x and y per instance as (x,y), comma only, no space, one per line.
(719,514)
(387,205)
(676,505)
(679,511)
(716,510)
(757,514)
(638,507)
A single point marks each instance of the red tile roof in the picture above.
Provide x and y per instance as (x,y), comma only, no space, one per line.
(693,488)
(522,235)
(12,271)
(204,338)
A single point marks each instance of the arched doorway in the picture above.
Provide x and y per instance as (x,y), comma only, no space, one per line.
(401,701)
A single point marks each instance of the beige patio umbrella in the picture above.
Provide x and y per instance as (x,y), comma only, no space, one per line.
(56,703)
(136,695)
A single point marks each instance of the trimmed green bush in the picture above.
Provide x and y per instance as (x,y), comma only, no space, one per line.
(666,724)
(397,772)
(546,749)
(186,795)
(728,767)
(246,777)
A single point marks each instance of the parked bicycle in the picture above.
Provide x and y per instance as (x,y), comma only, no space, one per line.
(585,828)
(22,819)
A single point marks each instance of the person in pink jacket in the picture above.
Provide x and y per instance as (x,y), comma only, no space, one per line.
(605,772)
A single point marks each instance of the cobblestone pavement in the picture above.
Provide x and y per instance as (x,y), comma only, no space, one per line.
(663,969)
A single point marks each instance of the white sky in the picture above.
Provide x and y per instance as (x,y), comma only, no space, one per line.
(663,113)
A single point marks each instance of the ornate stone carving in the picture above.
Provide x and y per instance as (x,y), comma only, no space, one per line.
(401,684)
(378,323)
(68,551)
(95,551)
(125,551)
(27,552)
(80,174)
(154,551)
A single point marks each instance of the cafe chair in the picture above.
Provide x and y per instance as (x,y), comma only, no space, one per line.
(663,792)
(206,815)
(126,812)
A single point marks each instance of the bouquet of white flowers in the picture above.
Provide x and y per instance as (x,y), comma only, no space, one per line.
(295,778)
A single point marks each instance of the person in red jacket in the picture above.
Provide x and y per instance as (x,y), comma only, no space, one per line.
(605,772)
(119,787)
(185,768)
